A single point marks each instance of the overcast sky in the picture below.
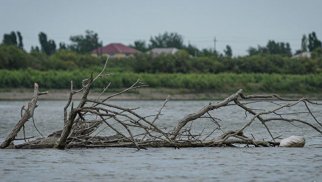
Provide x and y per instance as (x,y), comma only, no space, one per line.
(238,23)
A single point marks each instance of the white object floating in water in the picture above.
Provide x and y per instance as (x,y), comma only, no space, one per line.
(293,141)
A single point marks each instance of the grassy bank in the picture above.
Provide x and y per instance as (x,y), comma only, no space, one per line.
(223,82)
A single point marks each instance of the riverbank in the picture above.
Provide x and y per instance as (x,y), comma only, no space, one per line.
(220,83)
(140,94)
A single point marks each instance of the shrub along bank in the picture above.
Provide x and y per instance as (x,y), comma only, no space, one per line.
(221,82)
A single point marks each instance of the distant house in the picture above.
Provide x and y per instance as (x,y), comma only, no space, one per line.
(160,51)
(115,50)
(302,55)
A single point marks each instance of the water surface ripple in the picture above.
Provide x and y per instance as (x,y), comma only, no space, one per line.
(155,164)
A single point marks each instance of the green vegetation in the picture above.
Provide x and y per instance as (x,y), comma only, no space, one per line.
(269,68)
(85,44)
(183,63)
(13,38)
(13,58)
(224,82)
(47,46)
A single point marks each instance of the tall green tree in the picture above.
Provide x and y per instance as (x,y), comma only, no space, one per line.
(192,50)
(13,38)
(140,45)
(62,46)
(47,46)
(167,40)
(272,47)
(304,43)
(20,42)
(228,51)
(209,52)
(278,48)
(314,42)
(255,51)
(85,43)
(34,49)
(10,39)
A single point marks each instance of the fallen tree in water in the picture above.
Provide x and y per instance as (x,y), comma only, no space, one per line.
(128,128)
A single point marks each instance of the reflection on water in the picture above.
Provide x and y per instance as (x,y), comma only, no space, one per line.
(164,164)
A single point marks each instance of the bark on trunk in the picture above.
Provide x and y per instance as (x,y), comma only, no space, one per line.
(28,113)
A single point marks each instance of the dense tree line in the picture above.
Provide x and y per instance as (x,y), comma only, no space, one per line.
(173,40)
(272,47)
(274,57)
(183,63)
(12,57)
(82,44)
(309,42)
(87,43)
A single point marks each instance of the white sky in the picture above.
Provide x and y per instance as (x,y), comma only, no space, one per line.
(238,23)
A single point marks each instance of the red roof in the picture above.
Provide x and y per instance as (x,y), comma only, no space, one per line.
(115,48)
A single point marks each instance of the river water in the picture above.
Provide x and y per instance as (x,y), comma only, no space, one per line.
(161,164)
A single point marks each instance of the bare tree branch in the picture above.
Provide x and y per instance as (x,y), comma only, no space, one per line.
(28,113)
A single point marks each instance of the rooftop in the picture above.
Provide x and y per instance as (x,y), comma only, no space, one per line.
(115,48)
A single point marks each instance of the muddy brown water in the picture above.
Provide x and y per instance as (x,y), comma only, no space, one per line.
(161,164)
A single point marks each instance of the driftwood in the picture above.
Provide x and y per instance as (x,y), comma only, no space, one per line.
(26,114)
(128,128)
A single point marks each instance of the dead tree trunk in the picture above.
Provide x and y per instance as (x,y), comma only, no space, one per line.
(28,113)
(73,114)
